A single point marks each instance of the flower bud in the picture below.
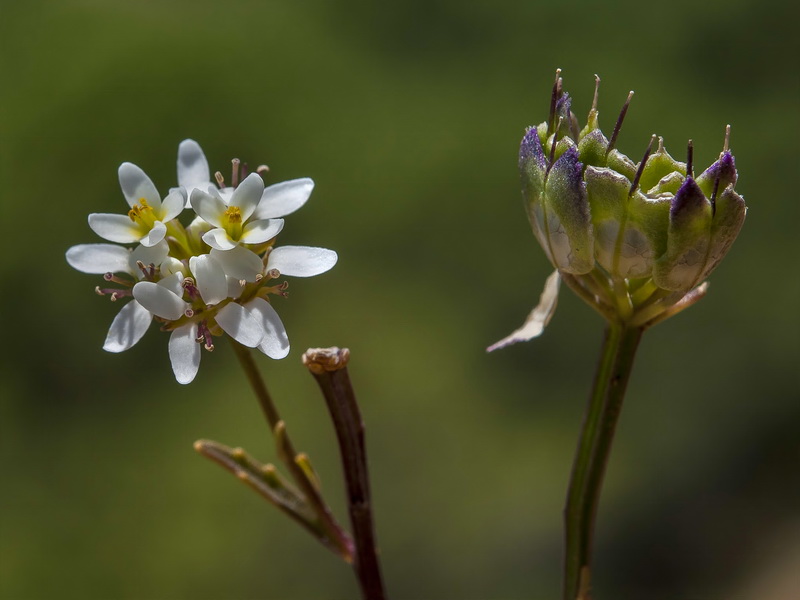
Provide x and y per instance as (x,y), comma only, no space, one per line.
(632,238)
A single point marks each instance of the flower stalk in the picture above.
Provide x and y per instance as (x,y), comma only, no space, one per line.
(597,434)
(334,535)
(329,368)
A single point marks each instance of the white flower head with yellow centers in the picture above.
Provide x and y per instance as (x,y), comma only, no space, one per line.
(212,277)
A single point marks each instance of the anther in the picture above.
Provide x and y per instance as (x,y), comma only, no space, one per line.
(689,159)
(189,313)
(273,273)
(235,172)
(262,169)
(220,179)
(618,126)
(553,99)
(642,164)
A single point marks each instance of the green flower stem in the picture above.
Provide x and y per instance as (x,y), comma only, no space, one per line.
(335,534)
(600,420)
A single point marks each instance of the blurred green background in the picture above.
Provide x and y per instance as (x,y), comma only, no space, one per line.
(408,117)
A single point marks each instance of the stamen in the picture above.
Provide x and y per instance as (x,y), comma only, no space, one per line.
(727,139)
(115,294)
(220,179)
(262,170)
(113,278)
(618,126)
(149,271)
(137,212)
(642,164)
(596,92)
(190,288)
(553,99)
(689,159)
(713,198)
(234,214)
(235,172)
(204,335)
(189,313)
(245,171)
(273,273)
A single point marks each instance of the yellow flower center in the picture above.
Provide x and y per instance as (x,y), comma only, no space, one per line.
(233,215)
(142,213)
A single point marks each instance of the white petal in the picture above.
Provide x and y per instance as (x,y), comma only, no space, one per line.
(115,228)
(283,198)
(241,324)
(154,255)
(210,278)
(209,207)
(226,194)
(98,258)
(155,235)
(248,195)
(173,205)
(239,262)
(301,261)
(136,185)
(170,266)
(218,238)
(159,300)
(275,342)
(184,353)
(198,227)
(256,232)
(174,283)
(538,319)
(235,287)
(193,168)
(128,327)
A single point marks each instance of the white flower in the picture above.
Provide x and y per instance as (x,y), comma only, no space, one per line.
(146,221)
(233,218)
(133,320)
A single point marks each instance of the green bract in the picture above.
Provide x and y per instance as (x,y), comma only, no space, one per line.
(635,240)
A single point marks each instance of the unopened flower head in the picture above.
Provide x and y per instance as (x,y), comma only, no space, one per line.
(212,277)
(635,240)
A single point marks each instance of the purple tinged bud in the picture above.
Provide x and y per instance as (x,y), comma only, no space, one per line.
(531,151)
(687,203)
(563,106)
(569,225)
(724,169)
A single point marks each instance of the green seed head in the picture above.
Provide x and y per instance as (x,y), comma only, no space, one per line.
(634,234)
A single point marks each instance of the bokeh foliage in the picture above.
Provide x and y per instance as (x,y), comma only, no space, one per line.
(408,116)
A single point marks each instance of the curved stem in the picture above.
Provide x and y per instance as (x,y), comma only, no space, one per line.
(597,434)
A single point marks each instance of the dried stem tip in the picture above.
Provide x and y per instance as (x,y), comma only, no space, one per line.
(321,360)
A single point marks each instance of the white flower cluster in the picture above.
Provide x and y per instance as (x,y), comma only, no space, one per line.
(214,275)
